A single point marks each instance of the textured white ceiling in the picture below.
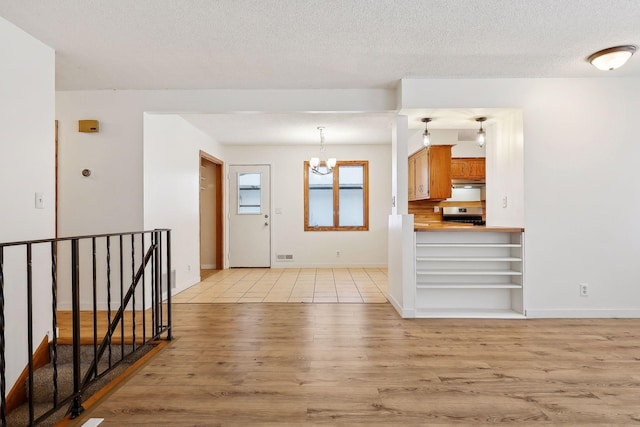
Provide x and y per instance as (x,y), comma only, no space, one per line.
(294,128)
(321,44)
(277,44)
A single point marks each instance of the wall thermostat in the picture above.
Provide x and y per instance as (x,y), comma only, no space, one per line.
(87,126)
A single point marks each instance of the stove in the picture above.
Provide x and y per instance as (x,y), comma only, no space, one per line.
(466,215)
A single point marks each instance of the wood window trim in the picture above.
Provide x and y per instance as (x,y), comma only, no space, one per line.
(336,198)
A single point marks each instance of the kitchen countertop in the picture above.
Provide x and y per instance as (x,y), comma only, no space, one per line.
(461,227)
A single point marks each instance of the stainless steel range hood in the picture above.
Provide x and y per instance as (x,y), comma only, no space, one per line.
(465,183)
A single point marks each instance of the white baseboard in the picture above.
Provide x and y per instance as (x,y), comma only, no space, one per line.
(405,313)
(286,265)
(604,313)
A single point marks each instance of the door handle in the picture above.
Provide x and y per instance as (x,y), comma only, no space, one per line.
(266,216)
(266,223)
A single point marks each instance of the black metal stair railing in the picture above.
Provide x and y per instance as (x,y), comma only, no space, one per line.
(91,268)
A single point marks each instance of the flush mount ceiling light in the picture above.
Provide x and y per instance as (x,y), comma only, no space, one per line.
(481,138)
(320,167)
(611,58)
(426,136)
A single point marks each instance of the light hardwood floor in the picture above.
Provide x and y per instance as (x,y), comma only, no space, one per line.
(330,285)
(360,364)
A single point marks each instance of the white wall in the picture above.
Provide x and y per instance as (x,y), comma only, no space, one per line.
(505,163)
(445,137)
(580,160)
(26,167)
(172,187)
(315,249)
(111,200)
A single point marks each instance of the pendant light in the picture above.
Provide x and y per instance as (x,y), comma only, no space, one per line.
(481,138)
(426,136)
(611,58)
(316,164)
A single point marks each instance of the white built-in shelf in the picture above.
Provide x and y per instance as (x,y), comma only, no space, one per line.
(468,245)
(467,259)
(469,286)
(470,313)
(467,274)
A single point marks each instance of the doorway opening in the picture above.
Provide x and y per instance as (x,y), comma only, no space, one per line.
(211,215)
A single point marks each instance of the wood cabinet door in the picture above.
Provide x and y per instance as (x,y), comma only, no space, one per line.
(422,174)
(468,168)
(458,167)
(440,178)
(477,169)
(412,178)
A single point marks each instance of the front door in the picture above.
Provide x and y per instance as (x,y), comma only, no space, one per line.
(249,216)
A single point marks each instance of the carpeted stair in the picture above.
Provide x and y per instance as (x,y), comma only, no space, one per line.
(43,381)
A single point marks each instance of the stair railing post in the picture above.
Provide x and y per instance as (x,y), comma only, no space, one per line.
(3,390)
(54,318)
(158,283)
(76,408)
(169,285)
(30,331)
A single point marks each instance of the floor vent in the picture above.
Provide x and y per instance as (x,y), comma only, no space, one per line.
(284,257)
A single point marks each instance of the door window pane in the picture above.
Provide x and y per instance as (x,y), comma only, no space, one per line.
(320,199)
(249,193)
(351,196)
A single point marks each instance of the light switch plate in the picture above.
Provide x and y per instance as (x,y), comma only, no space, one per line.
(39,201)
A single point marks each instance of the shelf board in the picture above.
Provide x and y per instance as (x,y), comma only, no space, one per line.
(468,245)
(469,286)
(477,259)
(470,313)
(468,273)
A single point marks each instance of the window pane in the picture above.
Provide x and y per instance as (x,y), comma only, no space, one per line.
(351,196)
(249,193)
(320,199)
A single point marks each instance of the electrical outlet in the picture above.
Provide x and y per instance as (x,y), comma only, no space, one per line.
(504,201)
(337,254)
(584,289)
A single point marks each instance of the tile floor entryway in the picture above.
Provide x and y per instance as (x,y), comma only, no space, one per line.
(330,285)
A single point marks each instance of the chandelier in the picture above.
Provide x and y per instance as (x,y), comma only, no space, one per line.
(321,167)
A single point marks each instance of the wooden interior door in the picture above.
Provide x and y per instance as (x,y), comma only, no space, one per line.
(211,213)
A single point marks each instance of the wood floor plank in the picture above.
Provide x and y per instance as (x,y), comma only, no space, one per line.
(359,364)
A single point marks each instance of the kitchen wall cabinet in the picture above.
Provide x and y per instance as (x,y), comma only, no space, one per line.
(468,168)
(469,274)
(430,173)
